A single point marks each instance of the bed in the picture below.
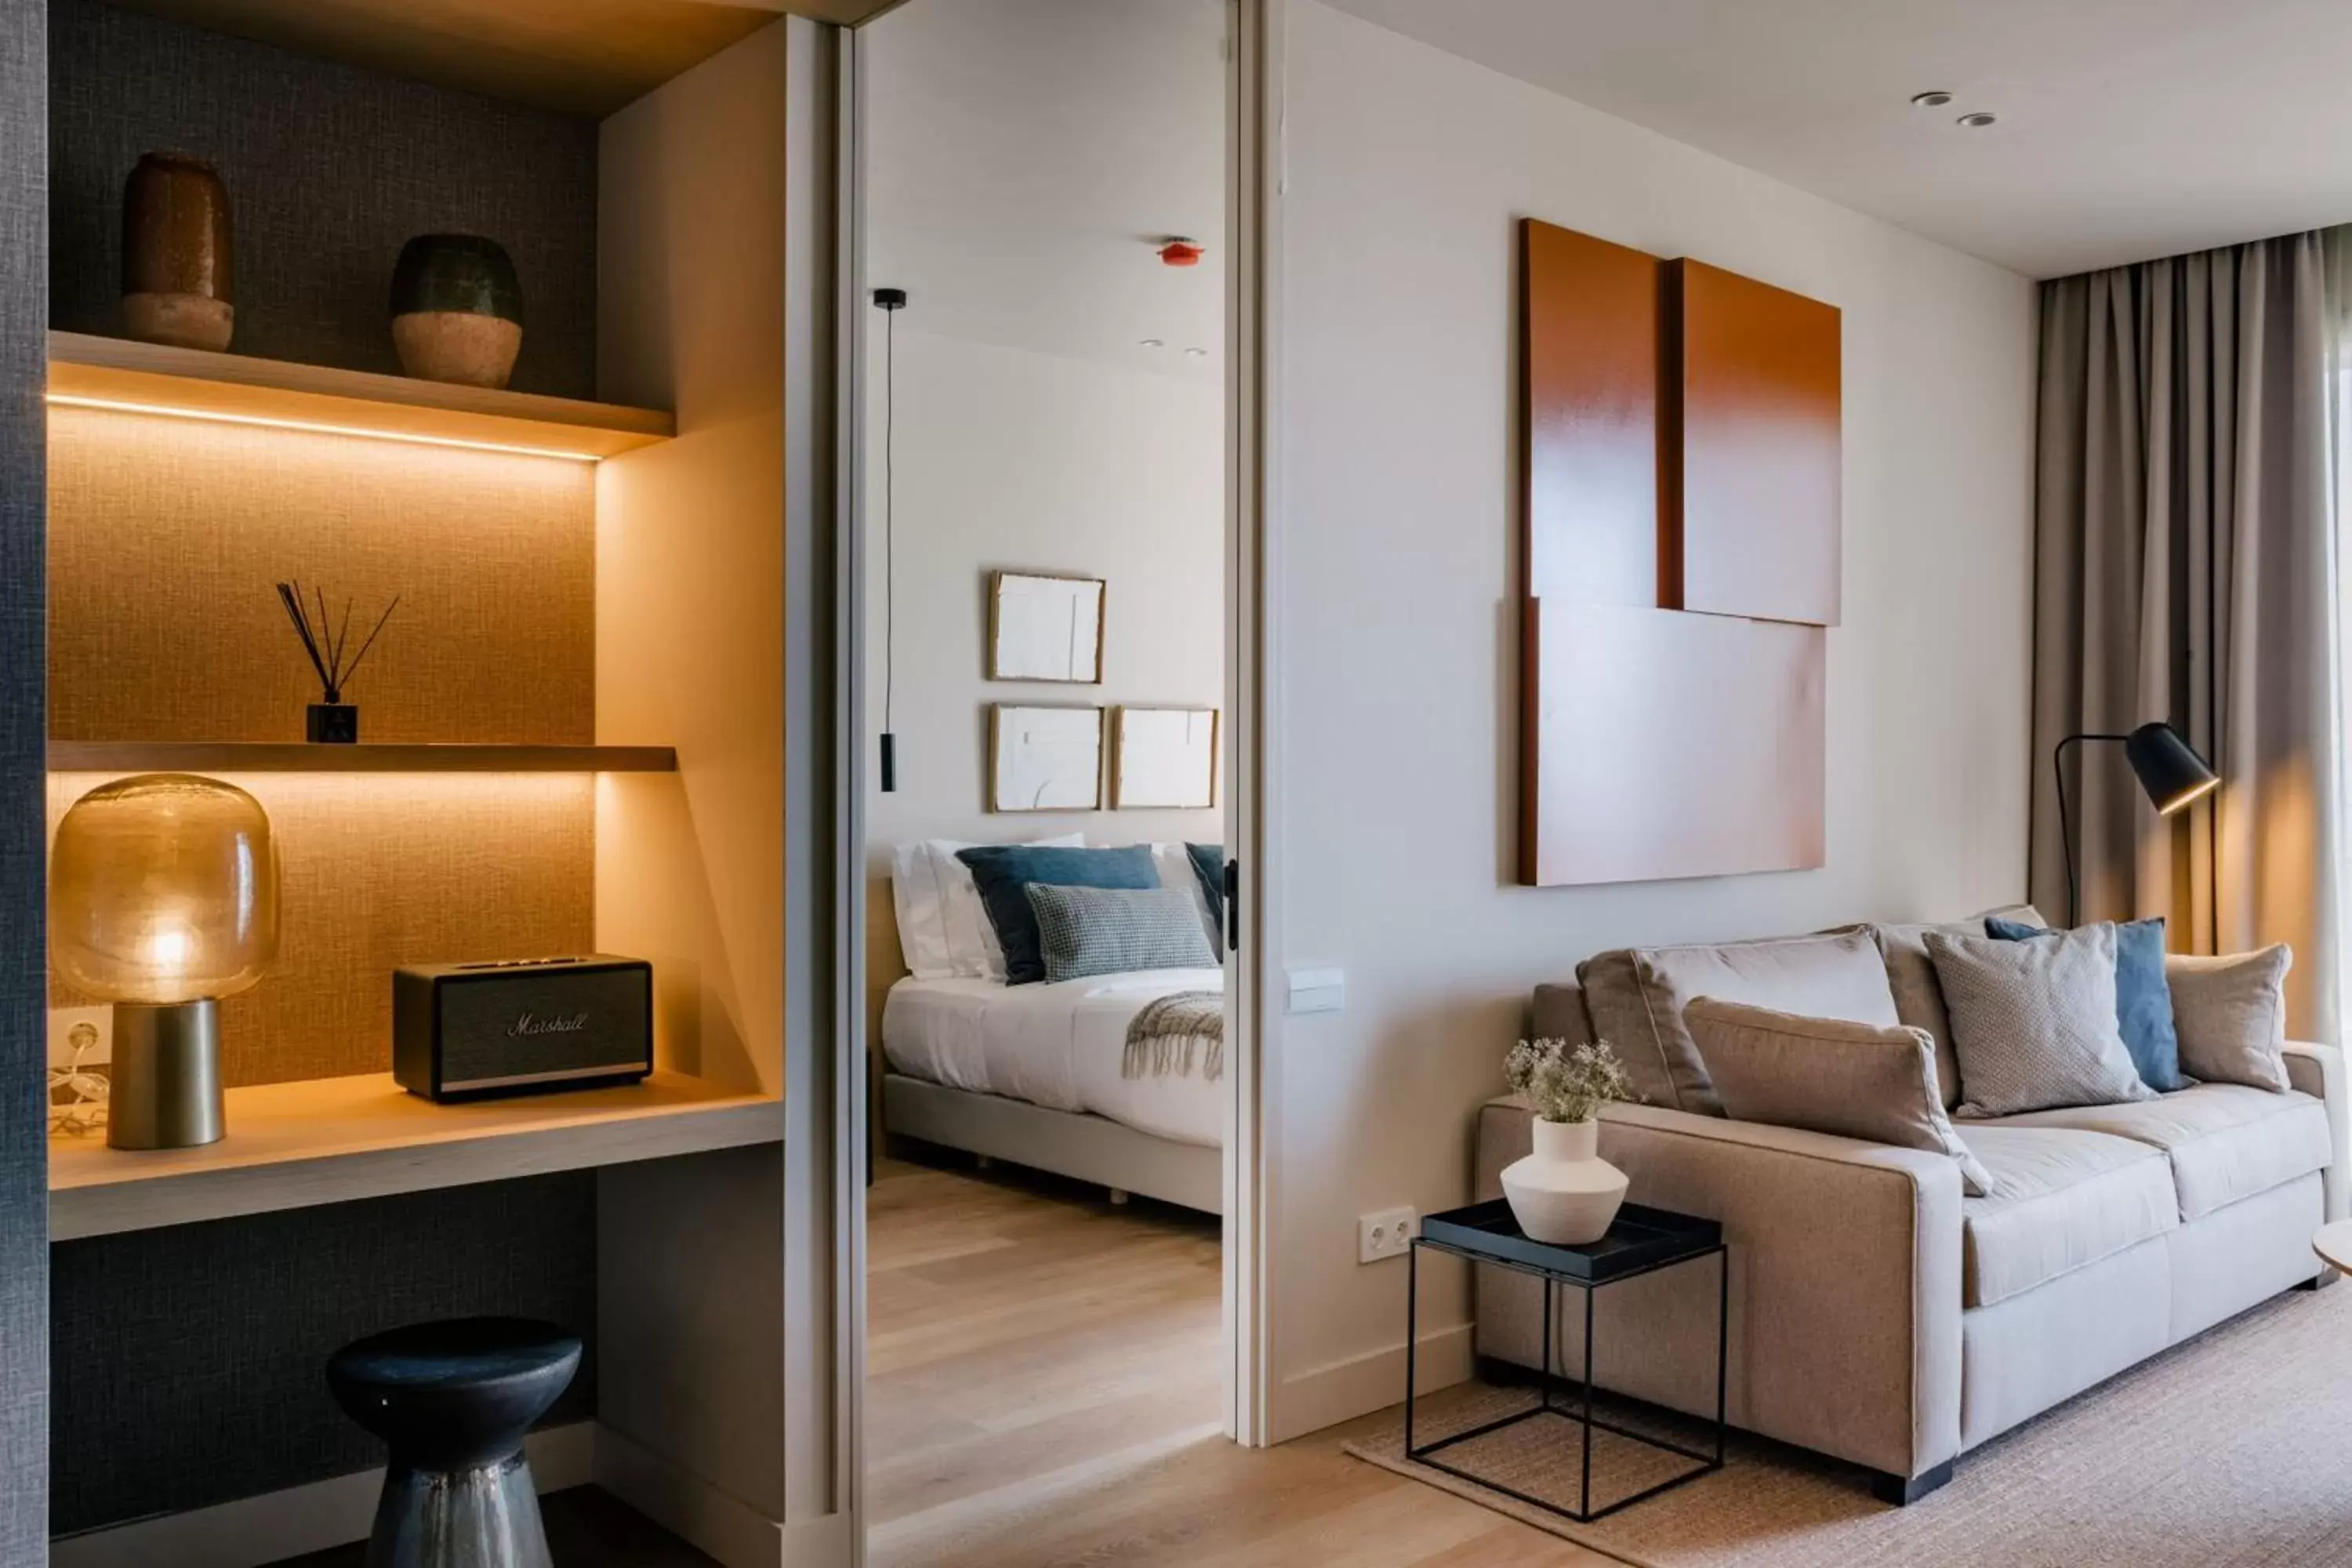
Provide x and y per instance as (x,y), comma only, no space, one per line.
(1033,1075)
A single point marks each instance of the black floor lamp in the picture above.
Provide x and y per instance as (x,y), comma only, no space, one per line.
(2168,769)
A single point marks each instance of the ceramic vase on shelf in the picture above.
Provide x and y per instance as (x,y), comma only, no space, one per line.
(179,273)
(456,310)
(1564,1194)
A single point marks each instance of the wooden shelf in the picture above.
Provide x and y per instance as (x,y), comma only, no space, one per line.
(296,757)
(116,372)
(295,1145)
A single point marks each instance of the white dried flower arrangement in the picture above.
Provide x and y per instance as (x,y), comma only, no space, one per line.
(1567,1083)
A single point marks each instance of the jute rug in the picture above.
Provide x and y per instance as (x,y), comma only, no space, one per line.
(2231,1451)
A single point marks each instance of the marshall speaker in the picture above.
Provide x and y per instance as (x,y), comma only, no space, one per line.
(464,1030)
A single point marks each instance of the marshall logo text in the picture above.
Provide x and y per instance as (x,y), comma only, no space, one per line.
(530,1023)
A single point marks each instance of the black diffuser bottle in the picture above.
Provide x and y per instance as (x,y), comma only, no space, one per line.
(327,641)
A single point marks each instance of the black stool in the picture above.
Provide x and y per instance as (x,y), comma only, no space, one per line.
(453,1401)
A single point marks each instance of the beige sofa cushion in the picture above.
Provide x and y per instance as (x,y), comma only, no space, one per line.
(2231,1014)
(2060,1200)
(2226,1141)
(1858,1080)
(1558,1015)
(1636,996)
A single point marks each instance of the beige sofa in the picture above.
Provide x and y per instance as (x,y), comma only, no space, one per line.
(1877,1314)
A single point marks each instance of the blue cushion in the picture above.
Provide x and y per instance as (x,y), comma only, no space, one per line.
(1118,931)
(2142,996)
(1003,872)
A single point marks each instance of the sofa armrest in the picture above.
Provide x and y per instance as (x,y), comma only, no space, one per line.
(2319,1071)
(1844,1281)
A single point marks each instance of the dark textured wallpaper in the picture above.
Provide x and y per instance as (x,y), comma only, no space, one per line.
(191,1362)
(330,168)
(24,1158)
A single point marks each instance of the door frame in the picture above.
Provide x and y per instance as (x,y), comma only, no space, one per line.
(826,731)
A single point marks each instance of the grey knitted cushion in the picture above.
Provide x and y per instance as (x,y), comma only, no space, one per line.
(1112,931)
(2034,1022)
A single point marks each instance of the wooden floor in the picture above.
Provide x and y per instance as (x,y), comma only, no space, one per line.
(1046,1391)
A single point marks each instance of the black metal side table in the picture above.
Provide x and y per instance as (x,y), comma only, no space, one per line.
(1642,1241)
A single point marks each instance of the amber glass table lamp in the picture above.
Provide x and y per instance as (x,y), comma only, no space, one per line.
(164,900)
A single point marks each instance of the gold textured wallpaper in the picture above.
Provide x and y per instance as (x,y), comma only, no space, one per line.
(165,536)
(380,869)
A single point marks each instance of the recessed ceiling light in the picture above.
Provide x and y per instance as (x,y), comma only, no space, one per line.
(1935,99)
(1154,343)
(1196,353)
(1977,120)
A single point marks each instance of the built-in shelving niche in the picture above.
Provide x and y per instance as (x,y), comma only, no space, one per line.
(573,727)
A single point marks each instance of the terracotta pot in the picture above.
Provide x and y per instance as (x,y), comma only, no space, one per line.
(456,310)
(179,273)
(1564,1192)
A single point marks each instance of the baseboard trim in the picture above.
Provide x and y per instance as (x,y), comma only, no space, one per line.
(712,1521)
(1344,1390)
(254,1531)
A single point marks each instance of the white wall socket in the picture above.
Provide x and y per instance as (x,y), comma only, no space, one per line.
(61,1027)
(1388,1234)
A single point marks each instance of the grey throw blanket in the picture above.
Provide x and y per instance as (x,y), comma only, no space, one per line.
(1172,1031)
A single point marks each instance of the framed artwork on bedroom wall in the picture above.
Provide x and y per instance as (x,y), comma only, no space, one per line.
(1164,758)
(1044,759)
(1043,626)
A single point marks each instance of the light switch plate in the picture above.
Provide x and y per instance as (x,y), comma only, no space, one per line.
(61,1027)
(1318,990)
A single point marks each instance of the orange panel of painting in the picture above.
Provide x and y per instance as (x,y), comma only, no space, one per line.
(1589,378)
(1660,745)
(1757,533)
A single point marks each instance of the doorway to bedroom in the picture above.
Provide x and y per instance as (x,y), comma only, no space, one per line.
(1042,234)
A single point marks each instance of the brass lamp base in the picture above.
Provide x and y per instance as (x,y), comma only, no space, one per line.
(165,1090)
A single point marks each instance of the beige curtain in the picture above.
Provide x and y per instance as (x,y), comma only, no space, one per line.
(2186,570)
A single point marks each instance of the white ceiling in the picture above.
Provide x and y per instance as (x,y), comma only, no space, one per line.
(2128,129)
(1026,156)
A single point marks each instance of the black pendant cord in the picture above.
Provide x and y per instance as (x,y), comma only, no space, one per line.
(890,301)
(889,530)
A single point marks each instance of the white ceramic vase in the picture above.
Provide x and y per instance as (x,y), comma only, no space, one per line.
(1564,1192)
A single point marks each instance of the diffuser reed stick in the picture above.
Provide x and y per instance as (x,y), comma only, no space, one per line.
(328,648)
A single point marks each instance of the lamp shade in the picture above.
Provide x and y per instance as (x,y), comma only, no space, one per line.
(2168,767)
(163,889)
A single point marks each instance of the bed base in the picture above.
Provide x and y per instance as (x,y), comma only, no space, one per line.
(1067,1144)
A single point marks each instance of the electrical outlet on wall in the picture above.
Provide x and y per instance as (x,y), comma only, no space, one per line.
(63,1021)
(1388,1234)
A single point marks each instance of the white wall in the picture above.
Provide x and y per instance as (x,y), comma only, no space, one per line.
(1405,173)
(1007,458)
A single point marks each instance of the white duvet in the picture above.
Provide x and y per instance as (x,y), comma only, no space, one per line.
(1058,1045)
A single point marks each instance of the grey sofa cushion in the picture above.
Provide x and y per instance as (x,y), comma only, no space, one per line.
(2034,1022)
(1918,997)
(1636,995)
(2226,1141)
(2060,1200)
(1870,1082)
(2231,1015)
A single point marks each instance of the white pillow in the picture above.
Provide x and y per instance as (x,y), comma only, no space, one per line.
(972,947)
(921,904)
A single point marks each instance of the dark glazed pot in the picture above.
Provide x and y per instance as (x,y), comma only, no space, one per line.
(179,272)
(456,310)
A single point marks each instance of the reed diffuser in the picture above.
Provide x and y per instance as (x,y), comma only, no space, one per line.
(328,641)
